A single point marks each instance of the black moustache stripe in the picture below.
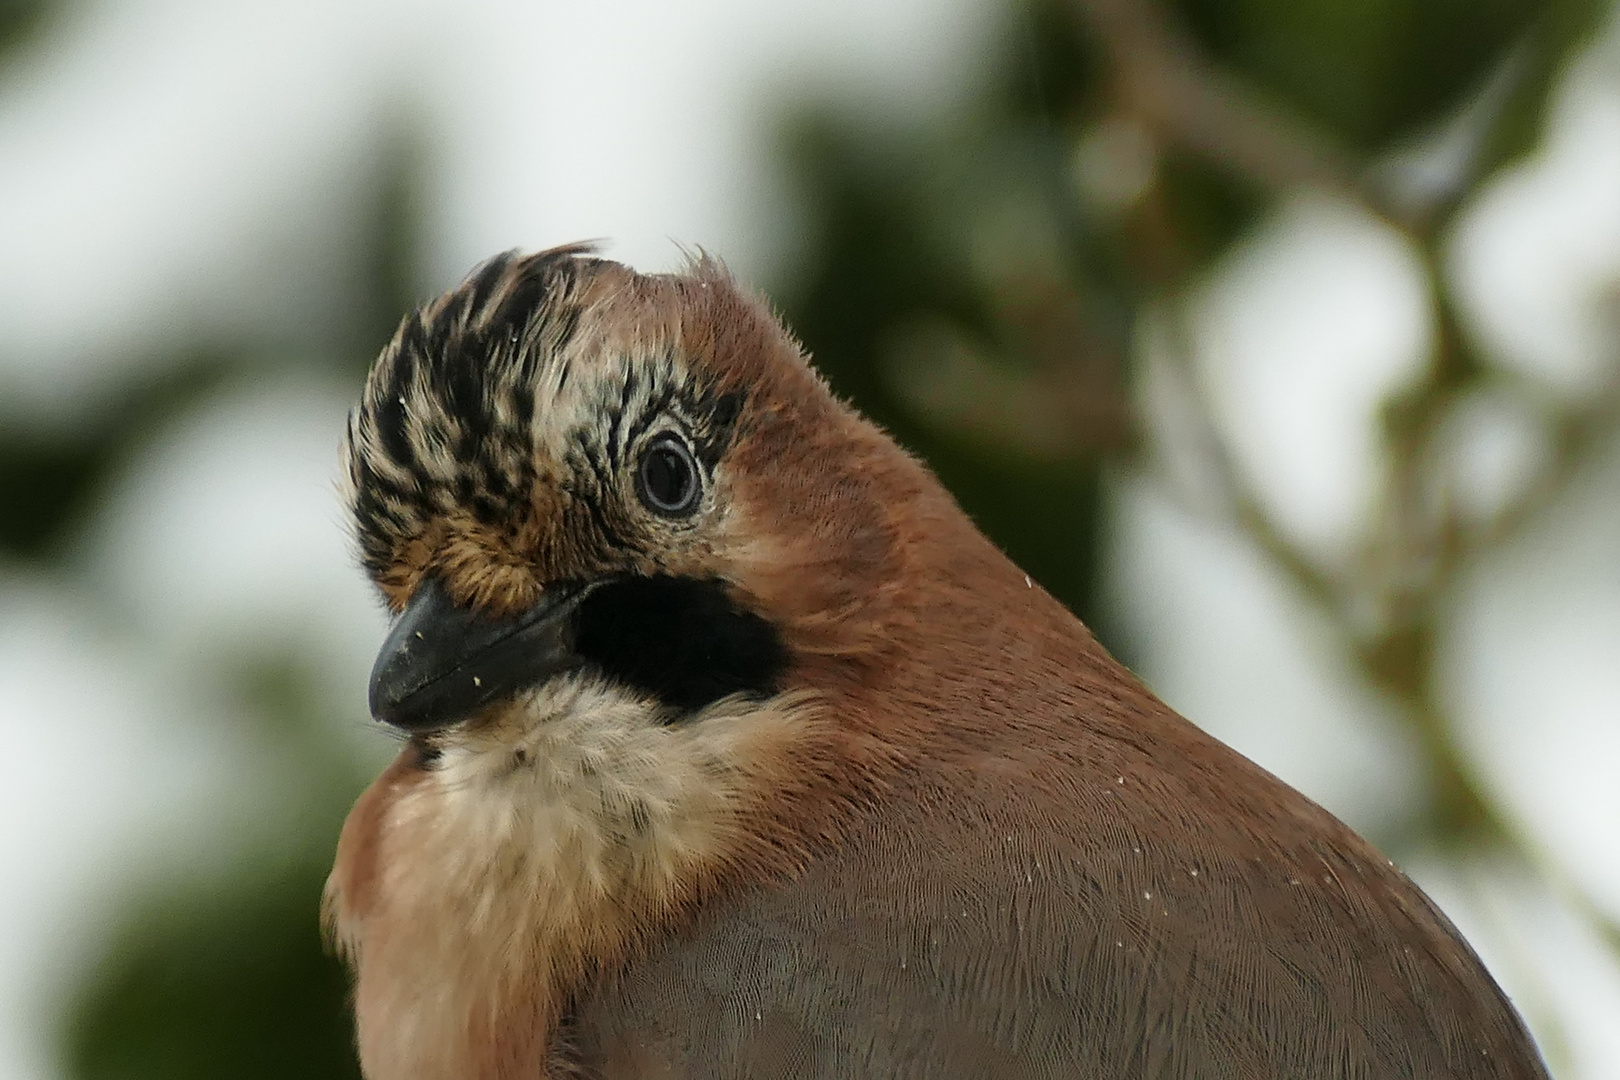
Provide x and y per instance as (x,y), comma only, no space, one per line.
(682,640)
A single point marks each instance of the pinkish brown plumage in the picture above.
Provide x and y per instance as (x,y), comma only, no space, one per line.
(736,751)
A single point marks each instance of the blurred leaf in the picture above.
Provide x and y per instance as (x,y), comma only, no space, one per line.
(897,244)
(229,983)
(1371,70)
(21,21)
(389,249)
(44,483)
(49,480)
(1534,65)
(1207,211)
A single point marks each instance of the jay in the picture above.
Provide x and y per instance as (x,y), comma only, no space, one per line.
(734,750)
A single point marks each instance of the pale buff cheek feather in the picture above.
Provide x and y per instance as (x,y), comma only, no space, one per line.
(541,836)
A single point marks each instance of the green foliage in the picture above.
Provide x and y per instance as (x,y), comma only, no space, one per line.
(226,974)
(1373,71)
(886,259)
(220,982)
(50,480)
(900,221)
(20,21)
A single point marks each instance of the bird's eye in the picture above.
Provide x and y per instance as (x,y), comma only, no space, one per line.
(668,479)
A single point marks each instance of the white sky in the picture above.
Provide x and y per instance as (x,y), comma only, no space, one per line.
(154,151)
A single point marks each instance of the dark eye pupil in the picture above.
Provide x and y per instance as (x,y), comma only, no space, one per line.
(668,483)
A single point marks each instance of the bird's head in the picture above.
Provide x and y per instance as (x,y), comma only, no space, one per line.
(563,467)
(645,568)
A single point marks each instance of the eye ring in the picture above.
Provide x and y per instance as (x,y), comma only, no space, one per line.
(667,479)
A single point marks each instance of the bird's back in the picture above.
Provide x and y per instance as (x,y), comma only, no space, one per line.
(1081,884)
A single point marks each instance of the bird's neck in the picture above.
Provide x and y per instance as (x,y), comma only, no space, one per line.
(476,896)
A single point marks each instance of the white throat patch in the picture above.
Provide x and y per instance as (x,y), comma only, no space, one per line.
(595,783)
(532,847)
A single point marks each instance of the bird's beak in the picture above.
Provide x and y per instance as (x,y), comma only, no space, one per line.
(441,662)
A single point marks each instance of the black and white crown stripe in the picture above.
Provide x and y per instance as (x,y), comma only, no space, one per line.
(479,387)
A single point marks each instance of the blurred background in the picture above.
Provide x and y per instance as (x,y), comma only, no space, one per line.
(1279,338)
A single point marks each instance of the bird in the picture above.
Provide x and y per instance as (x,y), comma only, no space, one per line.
(731,748)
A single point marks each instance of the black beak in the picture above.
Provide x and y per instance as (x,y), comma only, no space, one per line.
(441,663)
